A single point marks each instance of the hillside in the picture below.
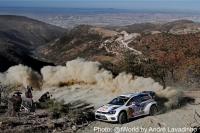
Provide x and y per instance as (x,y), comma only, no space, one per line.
(11,55)
(168,52)
(82,41)
(27,32)
(19,35)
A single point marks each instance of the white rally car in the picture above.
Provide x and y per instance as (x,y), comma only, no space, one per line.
(127,106)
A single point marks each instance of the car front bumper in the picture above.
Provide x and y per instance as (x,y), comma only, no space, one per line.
(106,117)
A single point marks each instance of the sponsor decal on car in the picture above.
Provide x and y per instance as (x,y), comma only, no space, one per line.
(104,109)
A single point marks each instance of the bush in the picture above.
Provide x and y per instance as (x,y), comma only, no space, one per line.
(61,109)
(52,105)
(7,90)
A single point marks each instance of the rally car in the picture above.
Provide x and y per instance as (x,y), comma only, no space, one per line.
(124,107)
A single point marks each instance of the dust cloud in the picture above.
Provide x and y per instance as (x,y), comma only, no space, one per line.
(82,72)
(87,73)
(21,75)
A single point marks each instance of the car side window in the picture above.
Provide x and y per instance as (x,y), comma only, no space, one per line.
(145,98)
(129,102)
(135,99)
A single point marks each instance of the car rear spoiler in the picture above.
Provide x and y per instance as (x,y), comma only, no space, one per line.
(152,93)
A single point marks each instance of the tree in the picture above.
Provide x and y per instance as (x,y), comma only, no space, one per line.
(130,63)
(156,71)
(110,67)
(133,64)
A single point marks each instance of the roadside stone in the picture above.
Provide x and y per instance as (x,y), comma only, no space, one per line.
(74,128)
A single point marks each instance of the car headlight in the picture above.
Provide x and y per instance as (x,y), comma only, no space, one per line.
(111,111)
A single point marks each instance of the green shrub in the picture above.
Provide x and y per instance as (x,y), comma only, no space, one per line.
(58,107)
(52,105)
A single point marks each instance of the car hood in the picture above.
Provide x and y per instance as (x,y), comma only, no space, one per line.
(108,107)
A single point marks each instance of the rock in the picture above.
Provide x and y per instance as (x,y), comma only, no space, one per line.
(61,120)
(50,125)
(67,119)
(74,128)
(42,120)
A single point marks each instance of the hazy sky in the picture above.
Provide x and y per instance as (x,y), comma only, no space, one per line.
(162,5)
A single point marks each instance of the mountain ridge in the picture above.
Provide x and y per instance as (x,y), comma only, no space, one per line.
(32,31)
(19,35)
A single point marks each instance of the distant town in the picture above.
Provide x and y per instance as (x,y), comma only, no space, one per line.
(70,18)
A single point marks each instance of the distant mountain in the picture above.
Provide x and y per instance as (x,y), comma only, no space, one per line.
(19,35)
(179,26)
(88,41)
(27,32)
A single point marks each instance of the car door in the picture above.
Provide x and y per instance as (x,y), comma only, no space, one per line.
(134,106)
(143,104)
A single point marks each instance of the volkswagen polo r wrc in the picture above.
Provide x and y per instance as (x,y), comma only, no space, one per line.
(124,107)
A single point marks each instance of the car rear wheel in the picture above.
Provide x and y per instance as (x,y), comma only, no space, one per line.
(153,110)
(122,118)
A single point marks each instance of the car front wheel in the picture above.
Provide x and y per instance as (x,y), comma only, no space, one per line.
(122,118)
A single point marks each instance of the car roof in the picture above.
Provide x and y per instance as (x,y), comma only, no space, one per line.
(134,94)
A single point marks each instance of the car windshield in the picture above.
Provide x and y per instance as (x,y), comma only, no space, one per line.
(119,100)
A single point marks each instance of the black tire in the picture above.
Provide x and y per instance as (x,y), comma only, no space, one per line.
(122,118)
(153,110)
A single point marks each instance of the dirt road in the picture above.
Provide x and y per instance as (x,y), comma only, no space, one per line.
(172,121)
